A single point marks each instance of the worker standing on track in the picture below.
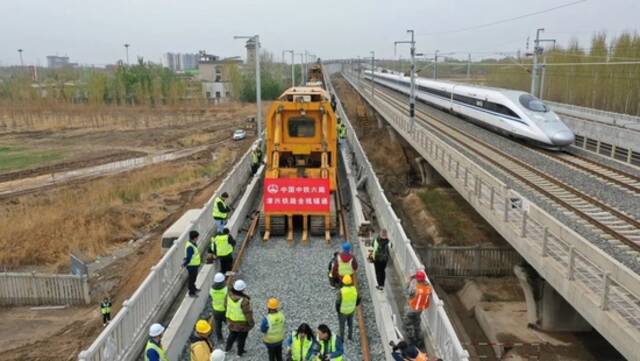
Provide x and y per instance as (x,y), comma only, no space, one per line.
(220,211)
(239,316)
(342,131)
(380,257)
(153,351)
(222,248)
(328,347)
(273,327)
(406,352)
(201,347)
(105,311)
(300,344)
(333,282)
(346,303)
(345,263)
(419,297)
(218,293)
(192,262)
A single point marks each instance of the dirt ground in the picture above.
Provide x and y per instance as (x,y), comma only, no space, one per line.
(137,205)
(33,152)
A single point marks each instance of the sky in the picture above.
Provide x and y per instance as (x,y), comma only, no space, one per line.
(93,32)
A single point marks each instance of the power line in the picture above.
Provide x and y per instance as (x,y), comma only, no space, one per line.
(506,20)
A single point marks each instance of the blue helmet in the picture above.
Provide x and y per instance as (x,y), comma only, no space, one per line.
(346,247)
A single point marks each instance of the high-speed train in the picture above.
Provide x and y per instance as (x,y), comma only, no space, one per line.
(511,112)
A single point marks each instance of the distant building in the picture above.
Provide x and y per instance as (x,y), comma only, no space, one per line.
(57,62)
(216,85)
(180,62)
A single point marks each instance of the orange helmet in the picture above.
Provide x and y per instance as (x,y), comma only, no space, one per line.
(273,304)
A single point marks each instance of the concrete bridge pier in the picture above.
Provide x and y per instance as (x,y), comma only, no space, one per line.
(547,310)
(429,176)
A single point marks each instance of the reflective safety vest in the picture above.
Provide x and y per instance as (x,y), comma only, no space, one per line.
(105,307)
(255,157)
(299,348)
(215,212)
(332,348)
(152,346)
(223,247)
(195,259)
(342,131)
(217,298)
(420,301)
(344,268)
(234,310)
(421,357)
(348,300)
(275,333)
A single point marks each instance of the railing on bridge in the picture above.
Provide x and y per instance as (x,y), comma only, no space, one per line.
(124,337)
(602,116)
(470,261)
(604,291)
(43,289)
(435,320)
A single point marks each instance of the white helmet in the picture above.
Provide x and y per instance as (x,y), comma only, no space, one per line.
(239,285)
(156,330)
(219,277)
(217,355)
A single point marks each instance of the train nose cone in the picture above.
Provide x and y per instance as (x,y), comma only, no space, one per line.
(562,138)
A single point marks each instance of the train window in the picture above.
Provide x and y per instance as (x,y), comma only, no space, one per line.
(302,127)
(499,108)
(532,103)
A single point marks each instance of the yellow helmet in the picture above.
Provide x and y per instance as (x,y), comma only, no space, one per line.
(347,280)
(203,327)
(273,303)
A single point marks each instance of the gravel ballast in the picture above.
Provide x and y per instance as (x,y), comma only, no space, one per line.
(297,275)
(610,195)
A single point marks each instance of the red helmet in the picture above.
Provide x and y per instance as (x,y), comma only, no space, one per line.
(421,276)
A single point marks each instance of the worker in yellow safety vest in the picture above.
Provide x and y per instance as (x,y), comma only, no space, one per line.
(153,351)
(201,347)
(192,262)
(301,344)
(218,293)
(222,248)
(329,347)
(256,158)
(273,327)
(220,211)
(105,311)
(239,316)
(346,303)
(345,263)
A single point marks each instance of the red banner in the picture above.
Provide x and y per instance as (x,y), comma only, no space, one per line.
(297,195)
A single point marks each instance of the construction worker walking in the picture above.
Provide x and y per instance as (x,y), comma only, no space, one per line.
(218,293)
(380,257)
(328,347)
(239,316)
(419,298)
(220,211)
(300,344)
(273,327)
(407,352)
(105,311)
(222,248)
(192,262)
(346,264)
(346,303)
(153,351)
(201,347)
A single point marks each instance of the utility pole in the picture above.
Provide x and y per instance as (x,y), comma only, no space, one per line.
(21,60)
(301,68)
(126,49)
(435,66)
(544,70)
(373,76)
(359,69)
(293,64)
(469,67)
(537,50)
(256,41)
(412,89)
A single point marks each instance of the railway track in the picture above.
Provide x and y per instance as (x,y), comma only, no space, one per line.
(611,224)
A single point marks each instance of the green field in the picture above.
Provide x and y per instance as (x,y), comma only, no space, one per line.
(17,158)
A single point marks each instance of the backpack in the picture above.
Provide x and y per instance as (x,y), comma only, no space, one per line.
(383,251)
